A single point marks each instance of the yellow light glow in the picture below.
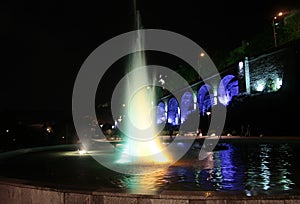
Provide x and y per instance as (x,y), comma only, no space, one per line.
(141,144)
(82,151)
(142,116)
(143,152)
(140,112)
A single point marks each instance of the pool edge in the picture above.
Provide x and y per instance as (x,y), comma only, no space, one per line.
(14,191)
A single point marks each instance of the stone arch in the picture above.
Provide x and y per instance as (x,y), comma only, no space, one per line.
(161,113)
(228,88)
(173,111)
(186,105)
(205,98)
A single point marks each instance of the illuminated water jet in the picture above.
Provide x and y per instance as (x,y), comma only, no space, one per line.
(142,144)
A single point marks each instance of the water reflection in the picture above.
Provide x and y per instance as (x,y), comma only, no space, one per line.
(257,168)
(144,184)
(253,169)
(269,168)
(229,169)
(221,170)
(204,175)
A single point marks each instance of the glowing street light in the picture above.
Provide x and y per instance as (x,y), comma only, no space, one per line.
(274,27)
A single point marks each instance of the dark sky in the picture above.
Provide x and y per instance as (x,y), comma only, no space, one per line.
(44,43)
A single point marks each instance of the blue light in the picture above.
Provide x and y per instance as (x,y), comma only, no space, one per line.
(228,88)
(187,105)
(205,99)
(160,113)
(173,117)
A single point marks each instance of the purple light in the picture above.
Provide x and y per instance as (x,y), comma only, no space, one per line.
(228,88)
(160,113)
(187,105)
(205,99)
(173,111)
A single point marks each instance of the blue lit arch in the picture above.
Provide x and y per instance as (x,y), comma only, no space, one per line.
(173,111)
(228,88)
(205,98)
(161,113)
(186,105)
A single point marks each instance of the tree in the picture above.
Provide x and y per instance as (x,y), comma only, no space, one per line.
(291,29)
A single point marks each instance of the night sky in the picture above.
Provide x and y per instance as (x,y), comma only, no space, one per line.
(44,43)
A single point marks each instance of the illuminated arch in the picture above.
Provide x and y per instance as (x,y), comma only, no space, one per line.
(205,98)
(161,113)
(173,111)
(186,105)
(228,88)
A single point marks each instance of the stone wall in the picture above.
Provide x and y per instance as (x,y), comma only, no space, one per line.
(267,71)
(16,192)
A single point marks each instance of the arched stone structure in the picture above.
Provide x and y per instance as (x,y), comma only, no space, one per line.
(205,98)
(251,76)
(173,113)
(186,105)
(161,114)
(228,88)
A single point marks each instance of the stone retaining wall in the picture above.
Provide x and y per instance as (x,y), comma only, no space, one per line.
(18,192)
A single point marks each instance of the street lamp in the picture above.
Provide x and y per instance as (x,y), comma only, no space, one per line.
(274,28)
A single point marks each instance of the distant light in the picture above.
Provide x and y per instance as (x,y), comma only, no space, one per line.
(248,193)
(49,129)
(241,65)
(280,14)
(120,118)
(123,105)
(162,81)
(202,54)
(207,194)
(278,83)
(260,85)
(7,130)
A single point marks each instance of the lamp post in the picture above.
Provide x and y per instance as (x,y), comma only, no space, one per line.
(274,28)
(201,55)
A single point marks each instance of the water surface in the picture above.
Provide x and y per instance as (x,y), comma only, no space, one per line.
(252,167)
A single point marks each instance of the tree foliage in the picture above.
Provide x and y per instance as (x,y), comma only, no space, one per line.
(287,30)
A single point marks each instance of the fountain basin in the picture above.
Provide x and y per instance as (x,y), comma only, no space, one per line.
(15,191)
(61,175)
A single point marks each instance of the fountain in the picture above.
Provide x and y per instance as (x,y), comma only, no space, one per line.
(142,144)
(145,171)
